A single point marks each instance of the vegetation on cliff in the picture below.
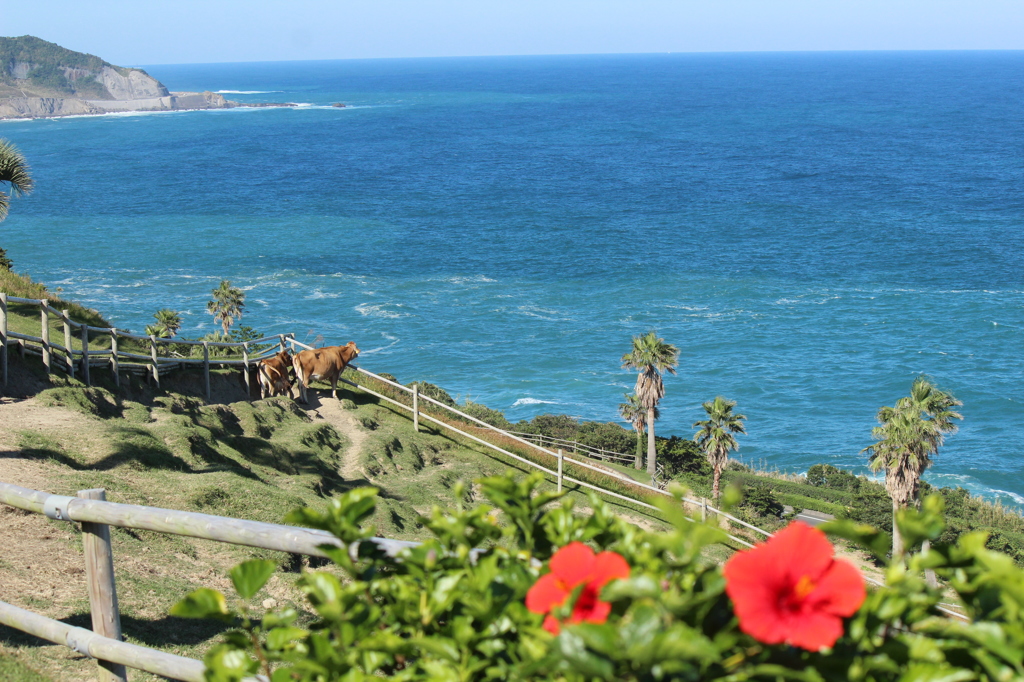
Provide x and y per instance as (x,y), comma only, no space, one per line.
(48,68)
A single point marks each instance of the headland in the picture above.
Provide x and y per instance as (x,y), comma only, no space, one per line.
(40,79)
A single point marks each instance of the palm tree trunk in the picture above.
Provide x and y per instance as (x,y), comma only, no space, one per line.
(714,484)
(639,464)
(651,454)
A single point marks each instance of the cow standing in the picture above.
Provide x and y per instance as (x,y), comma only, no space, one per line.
(326,364)
(273,375)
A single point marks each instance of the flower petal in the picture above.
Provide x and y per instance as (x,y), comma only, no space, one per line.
(546,593)
(814,630)
(552,625)
(597,613)
(573,564)
(805,551)
(840,591)
(608,566)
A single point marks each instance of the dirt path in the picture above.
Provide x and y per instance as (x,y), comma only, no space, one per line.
(344,421)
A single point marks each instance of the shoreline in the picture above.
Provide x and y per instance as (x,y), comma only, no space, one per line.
(32,108)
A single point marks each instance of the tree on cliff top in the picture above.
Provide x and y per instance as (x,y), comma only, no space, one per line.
(650,356)
(227,304)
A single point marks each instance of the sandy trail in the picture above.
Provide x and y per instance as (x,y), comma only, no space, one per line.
(331,411)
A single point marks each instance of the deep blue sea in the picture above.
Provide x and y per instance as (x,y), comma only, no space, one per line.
(812,230)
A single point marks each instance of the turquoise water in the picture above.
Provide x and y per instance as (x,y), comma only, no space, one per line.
(812,230)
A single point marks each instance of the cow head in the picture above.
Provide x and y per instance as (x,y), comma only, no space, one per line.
(351,345)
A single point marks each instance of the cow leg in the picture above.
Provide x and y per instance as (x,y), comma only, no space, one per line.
(334,386)
(262,379)
(299,379)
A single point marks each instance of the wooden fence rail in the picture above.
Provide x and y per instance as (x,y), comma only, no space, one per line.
(151,365)
(96,516)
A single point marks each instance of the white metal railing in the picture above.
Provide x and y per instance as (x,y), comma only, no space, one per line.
(578,448)
(557,472)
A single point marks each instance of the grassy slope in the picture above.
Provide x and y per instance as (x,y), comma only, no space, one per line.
(248,460)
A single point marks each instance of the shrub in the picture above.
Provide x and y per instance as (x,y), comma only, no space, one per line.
(761,500)
(456,606)
(435,392)
(682,456)
(608,436)
(828,476)
(495,418)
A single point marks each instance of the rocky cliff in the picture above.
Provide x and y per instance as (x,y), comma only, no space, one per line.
(39,79)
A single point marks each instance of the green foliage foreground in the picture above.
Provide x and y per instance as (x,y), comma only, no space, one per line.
(453,608)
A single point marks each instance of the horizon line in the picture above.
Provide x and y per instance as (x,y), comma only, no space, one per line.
(591,54)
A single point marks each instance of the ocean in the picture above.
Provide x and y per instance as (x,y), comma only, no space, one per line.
(812,230)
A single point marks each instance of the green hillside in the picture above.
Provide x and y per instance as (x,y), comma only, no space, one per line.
(47,76)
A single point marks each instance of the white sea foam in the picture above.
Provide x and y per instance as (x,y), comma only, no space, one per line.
(534,401)
(378,311)
(388,337)
(1019,499)
(319,294)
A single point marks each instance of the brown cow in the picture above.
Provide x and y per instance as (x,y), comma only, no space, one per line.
(326,364)
(273,375)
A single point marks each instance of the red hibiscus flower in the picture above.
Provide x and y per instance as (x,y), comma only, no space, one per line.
(791,589)
(572,566)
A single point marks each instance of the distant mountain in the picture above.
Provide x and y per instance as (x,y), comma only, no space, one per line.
(40,79)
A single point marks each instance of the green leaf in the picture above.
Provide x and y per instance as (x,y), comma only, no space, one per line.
(250,576)
(280,638)
(280,618)
(224,663)
(203,603)
(573,648)
(631,588)
(875,541)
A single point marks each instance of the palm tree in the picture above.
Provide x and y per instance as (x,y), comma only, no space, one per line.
(715,436)
(633,411)
(226,305)
(168,322)
(650,356)
(15,172)
(909,434)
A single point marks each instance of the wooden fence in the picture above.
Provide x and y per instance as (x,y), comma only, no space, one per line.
(96,516)
(80,361)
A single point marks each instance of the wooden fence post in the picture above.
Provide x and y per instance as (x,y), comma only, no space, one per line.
(703,509)
(45,333)
(99,572)
(115,365)
(67,342)
(3,337)
(156,365)
(206,367)
(85,354)
(245,366)
(283,347)
(416,407)
(559,469)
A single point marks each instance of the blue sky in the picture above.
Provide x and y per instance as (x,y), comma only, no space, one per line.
(133,32)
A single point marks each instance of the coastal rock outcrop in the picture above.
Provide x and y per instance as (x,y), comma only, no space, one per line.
(133,85)
(39,79)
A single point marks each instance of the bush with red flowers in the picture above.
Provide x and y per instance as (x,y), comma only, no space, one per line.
(527,588)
